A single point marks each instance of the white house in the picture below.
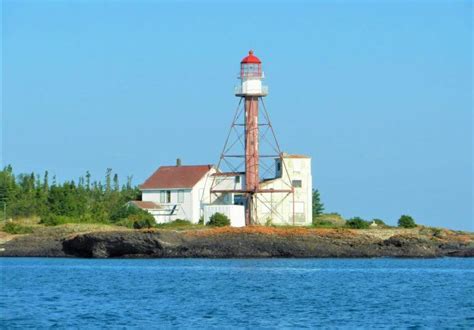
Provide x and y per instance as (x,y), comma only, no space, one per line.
(184,192)
(176,192)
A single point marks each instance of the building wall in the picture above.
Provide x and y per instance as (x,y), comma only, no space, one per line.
(201,195)
(252,86)
(183,209)
(298,173)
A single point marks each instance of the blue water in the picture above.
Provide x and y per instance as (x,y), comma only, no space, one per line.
(252,293)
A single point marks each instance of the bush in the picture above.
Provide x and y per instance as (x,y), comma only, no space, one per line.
(140,222)
(406,221)
(132,216)
(329,220)
(219,220)
(380,223)
(323,224)
(127,210)
(357,223)
(16,228)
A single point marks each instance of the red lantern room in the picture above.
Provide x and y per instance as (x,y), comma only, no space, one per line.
(250,67)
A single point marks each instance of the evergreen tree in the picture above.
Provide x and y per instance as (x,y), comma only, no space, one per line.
(116,182)
(88,180)
(318,207)
(45,181)
(108,173)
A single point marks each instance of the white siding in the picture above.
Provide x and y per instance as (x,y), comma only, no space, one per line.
(189,209)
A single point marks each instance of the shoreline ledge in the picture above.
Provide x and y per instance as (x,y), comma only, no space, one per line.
(248,242)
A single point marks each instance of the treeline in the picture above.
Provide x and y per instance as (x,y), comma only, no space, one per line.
(28,195)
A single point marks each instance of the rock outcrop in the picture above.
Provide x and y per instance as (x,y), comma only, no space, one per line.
(252,242)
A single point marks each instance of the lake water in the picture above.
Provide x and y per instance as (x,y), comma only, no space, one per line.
(250,293)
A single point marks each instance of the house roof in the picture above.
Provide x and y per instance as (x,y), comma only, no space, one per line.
(285,155)
(176,177)
(146,205)
(227,173)
(251,59)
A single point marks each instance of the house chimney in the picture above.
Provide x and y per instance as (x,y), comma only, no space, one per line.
(178,161)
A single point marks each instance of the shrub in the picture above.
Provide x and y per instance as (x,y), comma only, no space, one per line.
(219,220)
(137,221)
(357,223)
(380,222)
(140,222)
(329,220)
(124,211)
(201,220)
(406,221)
(323,224)
(16,228)
(269,222)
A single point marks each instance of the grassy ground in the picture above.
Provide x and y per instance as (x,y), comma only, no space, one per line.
(31,226)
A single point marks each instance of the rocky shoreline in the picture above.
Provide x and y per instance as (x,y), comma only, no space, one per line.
(251,242)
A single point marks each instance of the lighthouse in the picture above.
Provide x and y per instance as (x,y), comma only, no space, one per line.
(254,177)
(251,88)
(253,183)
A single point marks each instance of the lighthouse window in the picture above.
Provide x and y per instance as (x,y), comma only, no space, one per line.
(237,179)
(297,183)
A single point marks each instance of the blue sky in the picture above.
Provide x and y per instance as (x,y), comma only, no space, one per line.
(378,93)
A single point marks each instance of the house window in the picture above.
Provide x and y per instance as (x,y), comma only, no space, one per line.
(180,196)
(278,166)
(297,183)
(165,196)
(237,179)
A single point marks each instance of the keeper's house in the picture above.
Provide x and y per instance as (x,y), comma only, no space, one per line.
(176,192)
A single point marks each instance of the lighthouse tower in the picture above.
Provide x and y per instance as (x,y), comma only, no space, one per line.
(251,76)
(251,89)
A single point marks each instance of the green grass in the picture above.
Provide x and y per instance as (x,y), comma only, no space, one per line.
(16,228)
(179,225)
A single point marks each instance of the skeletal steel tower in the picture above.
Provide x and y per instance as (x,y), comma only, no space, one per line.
(251,92)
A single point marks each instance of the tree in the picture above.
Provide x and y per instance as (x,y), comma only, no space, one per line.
(88,180)
(219,220)
(406,221)
(108,173)
(116,182)
(318,207)
(46,181)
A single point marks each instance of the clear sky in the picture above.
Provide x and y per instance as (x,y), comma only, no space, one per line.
(378,93)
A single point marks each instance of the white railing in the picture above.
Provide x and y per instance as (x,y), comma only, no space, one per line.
(262,91)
